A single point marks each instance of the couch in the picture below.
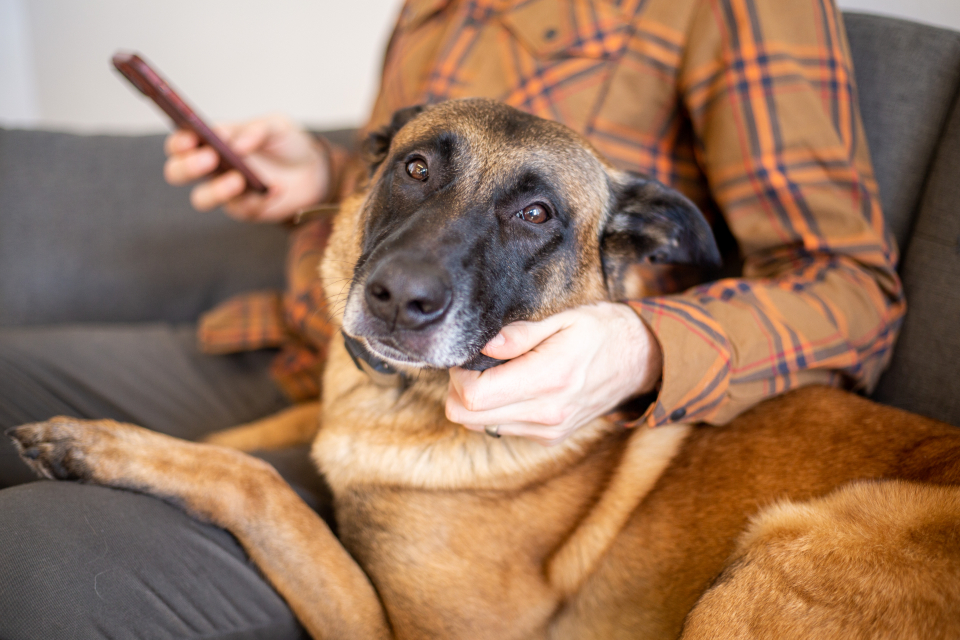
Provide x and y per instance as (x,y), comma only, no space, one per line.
(89,232)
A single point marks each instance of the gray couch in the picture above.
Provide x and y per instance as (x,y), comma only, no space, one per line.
(89,232)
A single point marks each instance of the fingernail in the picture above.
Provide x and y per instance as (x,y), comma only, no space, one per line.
(497,341)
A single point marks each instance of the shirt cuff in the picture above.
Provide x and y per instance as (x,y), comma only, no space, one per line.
(696,361)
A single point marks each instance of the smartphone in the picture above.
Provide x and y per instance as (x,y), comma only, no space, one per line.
(151,84)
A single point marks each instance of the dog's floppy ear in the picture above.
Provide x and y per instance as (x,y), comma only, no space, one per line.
(378,142)
(651,222)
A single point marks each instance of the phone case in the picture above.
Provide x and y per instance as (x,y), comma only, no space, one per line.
(152,85)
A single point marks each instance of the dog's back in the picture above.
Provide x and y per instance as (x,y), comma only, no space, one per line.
(748,500)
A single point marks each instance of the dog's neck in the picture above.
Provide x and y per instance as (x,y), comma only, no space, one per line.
(400,436)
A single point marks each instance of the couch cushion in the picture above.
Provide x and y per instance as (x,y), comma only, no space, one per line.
(90,232)
(924,375)
(907,75)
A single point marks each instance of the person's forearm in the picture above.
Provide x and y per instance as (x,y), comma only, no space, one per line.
(733,343)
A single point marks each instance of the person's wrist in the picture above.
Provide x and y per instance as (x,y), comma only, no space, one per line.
(648,359)
(326,191)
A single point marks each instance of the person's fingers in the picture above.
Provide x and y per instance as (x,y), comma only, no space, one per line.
(217,191)
(496,387)
(250,137)
(246,206)
(179,141)
(190,165)
(517,338)
(253,207)
(534,411)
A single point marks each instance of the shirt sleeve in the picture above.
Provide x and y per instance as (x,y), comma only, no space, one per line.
(770,91)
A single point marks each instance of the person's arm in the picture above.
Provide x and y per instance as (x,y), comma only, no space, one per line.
(769,85)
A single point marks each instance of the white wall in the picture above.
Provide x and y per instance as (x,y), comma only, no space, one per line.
(941,13)
(315,59)
(318,60)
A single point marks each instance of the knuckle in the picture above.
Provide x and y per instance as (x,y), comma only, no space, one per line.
(472,399)
(553,418)
(200,199)
(452,411)
(170,172)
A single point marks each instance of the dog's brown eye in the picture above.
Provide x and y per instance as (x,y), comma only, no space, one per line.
(418,170)
(535,213)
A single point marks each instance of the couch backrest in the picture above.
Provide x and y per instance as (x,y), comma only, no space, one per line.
(908,75)
(90,232)
(909,81)
(924,375)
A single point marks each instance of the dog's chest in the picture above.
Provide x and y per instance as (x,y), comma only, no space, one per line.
(460,564)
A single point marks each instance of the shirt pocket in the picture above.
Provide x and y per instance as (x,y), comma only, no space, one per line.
(557,29)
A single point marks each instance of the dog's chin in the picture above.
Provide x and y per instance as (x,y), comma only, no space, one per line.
(399,357)
(437,347)
(392,354)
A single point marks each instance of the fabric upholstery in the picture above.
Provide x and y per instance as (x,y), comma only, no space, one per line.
(89,231)
(119,564)
(924,375)
(907,75)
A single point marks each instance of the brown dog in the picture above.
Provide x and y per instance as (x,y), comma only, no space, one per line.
(818,514)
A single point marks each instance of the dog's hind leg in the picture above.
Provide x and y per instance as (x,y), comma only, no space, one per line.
(293,426)
(871,560)
(329,593)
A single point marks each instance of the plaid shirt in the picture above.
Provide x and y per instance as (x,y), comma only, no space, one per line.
(749,107)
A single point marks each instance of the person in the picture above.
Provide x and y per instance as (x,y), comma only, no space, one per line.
(749,107)
(746,106)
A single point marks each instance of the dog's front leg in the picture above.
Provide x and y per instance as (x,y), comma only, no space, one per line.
(291,544)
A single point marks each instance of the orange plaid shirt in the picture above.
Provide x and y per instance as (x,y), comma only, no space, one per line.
(749,107)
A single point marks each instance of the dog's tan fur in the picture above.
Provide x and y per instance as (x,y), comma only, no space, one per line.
(615,533)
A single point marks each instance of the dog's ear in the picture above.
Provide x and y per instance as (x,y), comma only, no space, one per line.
(378,142)
(651,222)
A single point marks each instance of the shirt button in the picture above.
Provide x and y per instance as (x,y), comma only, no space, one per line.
(678,414)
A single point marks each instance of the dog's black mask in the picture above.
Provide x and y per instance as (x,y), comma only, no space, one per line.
(479,215)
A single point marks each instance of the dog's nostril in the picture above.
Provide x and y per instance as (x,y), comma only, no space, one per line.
(422,307)
(380,292)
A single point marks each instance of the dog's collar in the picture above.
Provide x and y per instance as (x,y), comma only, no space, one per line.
(380,371)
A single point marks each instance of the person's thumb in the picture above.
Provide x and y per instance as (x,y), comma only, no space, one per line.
(517,338)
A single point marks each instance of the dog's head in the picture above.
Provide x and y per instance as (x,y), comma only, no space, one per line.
(477,215)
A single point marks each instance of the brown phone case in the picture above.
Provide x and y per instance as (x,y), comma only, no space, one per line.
(152,85)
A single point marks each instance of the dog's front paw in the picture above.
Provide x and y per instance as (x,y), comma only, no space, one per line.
(61,448)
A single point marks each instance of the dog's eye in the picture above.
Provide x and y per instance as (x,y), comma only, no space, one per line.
(535,213)
(418,170)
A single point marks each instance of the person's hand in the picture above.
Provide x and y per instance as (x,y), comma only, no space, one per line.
(564,371)
(290,162)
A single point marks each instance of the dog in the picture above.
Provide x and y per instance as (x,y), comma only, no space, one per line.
(817,514)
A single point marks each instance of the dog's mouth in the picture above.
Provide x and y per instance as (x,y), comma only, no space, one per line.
(389,350)
(453,341)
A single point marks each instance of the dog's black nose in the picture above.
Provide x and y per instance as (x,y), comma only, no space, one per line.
(408,293)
